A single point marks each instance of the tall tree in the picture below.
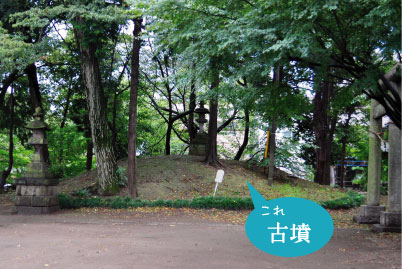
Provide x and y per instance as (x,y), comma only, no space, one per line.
(93,23)
(132,123)
(324,127)
(212,153)
(104,151)
(273,124)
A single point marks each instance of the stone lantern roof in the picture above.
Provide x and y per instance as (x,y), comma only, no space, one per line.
(38,122)
(201,109)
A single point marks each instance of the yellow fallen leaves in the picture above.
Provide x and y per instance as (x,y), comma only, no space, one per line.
(342,218)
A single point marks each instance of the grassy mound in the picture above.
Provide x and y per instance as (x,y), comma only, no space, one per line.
(187,177)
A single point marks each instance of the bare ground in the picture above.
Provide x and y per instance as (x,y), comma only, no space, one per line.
(167,238)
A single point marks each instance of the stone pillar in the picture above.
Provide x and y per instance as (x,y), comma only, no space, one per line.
(36,191)
(199,143)
(370,213)
(390,220)
(394,169)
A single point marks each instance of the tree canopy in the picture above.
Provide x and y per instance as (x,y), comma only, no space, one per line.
(120,79)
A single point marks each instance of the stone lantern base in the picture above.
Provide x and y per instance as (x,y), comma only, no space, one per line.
(199,145)
(36,199)
(36,191)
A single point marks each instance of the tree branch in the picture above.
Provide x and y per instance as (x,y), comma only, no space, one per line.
(227,122)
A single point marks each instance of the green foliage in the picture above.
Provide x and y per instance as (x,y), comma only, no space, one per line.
(14,52)
(67,148)
(22,156)
(81,199)
(150,127)
(352,199)
(361,179)
(81,193)
(67,201)
(121,173)
(97,12)
(241,40)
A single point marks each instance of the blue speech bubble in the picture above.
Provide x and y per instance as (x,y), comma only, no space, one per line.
(288,226)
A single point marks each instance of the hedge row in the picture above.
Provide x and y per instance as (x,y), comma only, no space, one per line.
(67,201)
(230,203)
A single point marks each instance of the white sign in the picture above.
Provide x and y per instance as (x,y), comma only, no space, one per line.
(218,179)
(219,176)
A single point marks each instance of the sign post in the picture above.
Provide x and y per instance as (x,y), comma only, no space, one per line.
(266,146)
(218,179)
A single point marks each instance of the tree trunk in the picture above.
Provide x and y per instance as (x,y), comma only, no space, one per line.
(34,90)
(227,122)
(322,174)
(168,135)
(5,84)
(132,125)
(246,134)
(271,154)
(36,99)
(170,122)
(65,112)
(192,106)
(344,140)
(7,172)
(278,74)
(105,156)
(90,149)
(212,152)
(114,128)
(324,127)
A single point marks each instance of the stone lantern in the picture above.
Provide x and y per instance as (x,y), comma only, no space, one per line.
(201,111)
(199,144)
(36,191)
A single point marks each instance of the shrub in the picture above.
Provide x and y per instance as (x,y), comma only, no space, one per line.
(122,175)
(68,201)
(352,199)
(81,193)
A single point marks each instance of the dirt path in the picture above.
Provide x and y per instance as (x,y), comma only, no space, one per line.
(173,239)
